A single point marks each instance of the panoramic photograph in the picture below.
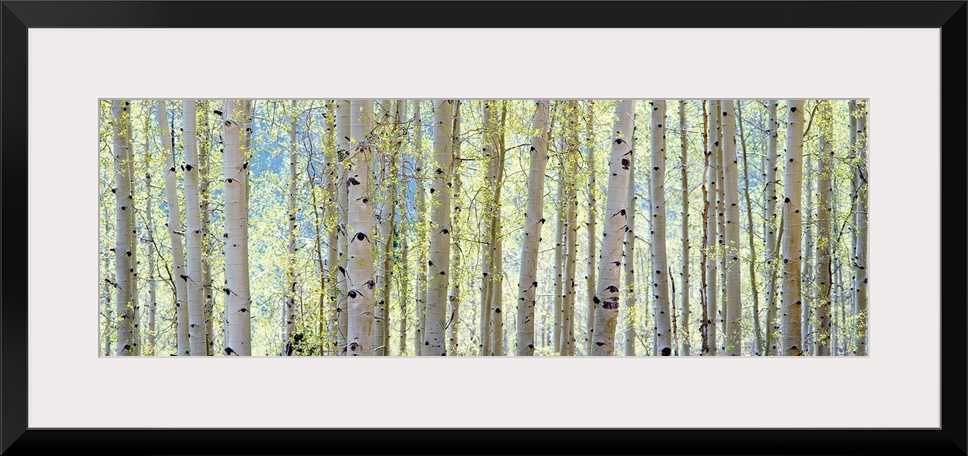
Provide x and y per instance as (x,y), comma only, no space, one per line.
(504,227)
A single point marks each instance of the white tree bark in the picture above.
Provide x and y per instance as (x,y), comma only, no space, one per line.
(125,229)
(684,319)
(860,214)
(606,296)
(342,198)
(439,263)
(591,268)
(174,233)
(289,299)
(734,305)
(235,180)
(453,298)
(770,229)
(491,205)
(629,260)
(204,157)
(824,248)
(193,235)
(659,275)
(360,279)
(533,221)
(570,148)
(711,248)
(421,203)
(333,176)
(790,310)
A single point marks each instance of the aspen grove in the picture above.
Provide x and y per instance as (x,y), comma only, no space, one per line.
(483,227)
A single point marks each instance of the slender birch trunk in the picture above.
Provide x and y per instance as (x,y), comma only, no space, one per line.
(629,255)
(491,204)
(721,231)
(124,246)
(824,208)
(559,256)
(332,278)
(109,286)
(807,252)
(791,303)
(152,339)
(711,251)
(771,232)
(193,234)
(860,214)
(570,148)
(289,303)
(360,279)
(235,179)
(684,317)
(439,263)
(422,227)
(533,222)
(496,295)
(386,216)
(660,271)
(204,165)
(175,234)
(757,334)
(591,267)
(606,297)
(734,305)
(453,298)
(342,280)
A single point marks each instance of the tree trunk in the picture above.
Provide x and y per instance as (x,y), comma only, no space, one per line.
(342,280)
(439,263)
(491,205)
(289,304)
(791,303)
(496,295)
(734,305)
(591,267)
(824,203)
(453,298)
(533,221)
(711,249)
(175,234)
(570,148)
(807,267)
(860,217)
(204,158)
(152,339)
(419,176)
(660,272)
(559,256)
(197,337)
(360,279)
(386,228)
(684,273)
(235,179)
(606,298)
(332,274)
(771,232)
(629,255)
(757,336)
(125,231)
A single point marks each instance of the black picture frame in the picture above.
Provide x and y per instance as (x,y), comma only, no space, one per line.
(17,17)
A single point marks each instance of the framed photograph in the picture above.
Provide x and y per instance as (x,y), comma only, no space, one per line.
(886,79)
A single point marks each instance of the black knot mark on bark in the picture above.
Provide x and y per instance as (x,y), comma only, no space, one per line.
(369,284)
(497,310)
(360,236)
(229,180)
(625,163)
(439,171)
(611,289)
(351,293)
(666,351)
(188,167)
(596,300)
(353,181)
(716,144)
(218,113)
(793,109)
(786,200)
